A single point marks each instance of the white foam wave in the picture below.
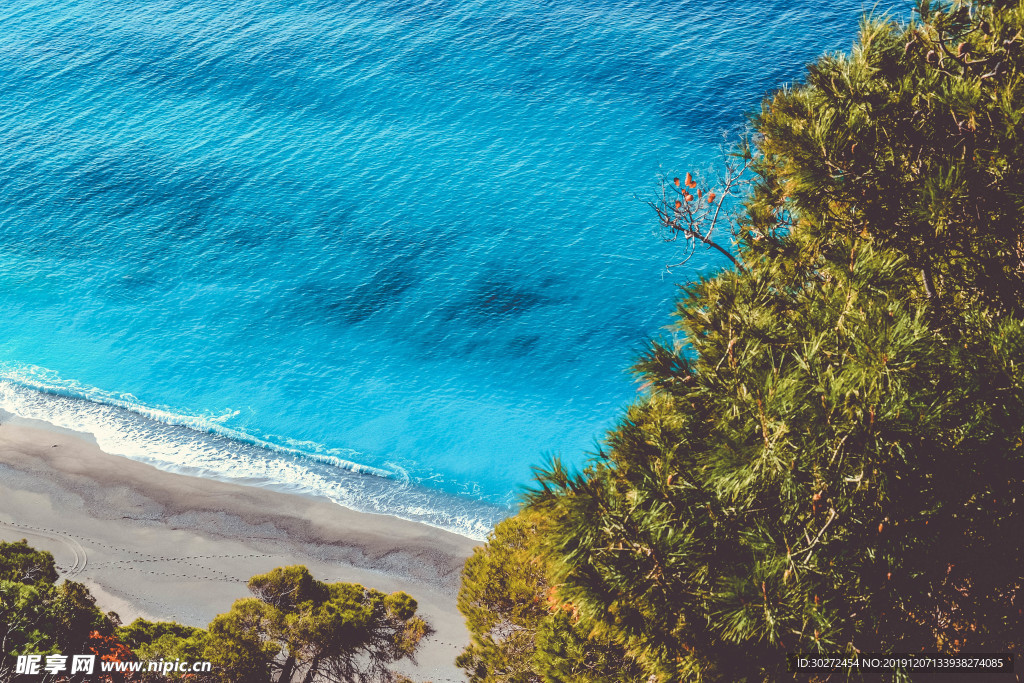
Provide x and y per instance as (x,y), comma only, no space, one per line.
(203,446)
(46,381)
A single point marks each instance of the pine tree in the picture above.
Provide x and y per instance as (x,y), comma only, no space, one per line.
(914,140)
(827,474)
(830,456)
(523,630)
(301,629)
(296,629)
(23,564)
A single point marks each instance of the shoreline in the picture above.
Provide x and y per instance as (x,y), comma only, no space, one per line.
(169,546)
(200,446)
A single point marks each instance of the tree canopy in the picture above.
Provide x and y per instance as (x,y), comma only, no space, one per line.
(523,631)
(23,564)
(914,142)
(296,628)
(39,616)
(829,453)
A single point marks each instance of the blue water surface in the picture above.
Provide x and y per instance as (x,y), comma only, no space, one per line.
(387,251)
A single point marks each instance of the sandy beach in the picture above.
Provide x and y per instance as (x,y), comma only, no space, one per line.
(166,546)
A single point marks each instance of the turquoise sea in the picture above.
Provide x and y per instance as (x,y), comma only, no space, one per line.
(385,251)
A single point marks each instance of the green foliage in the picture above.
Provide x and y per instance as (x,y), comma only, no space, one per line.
(503,598)
(509,561)
(400,605)
(75,616)
(142,632)
(303,629)
(830,456)
(170,647)
(169,641)
(38,617)
(828,474)
(915,139)
(522,632)
(566,652)
(241,644)
(25,619)
(20,563)
(297,629)
(286,587)
(43,619)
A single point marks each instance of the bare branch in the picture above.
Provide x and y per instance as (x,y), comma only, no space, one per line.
(691,209)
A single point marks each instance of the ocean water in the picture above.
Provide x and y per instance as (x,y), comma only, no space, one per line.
(390,252)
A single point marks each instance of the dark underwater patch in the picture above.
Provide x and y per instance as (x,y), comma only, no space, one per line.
(342,303)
